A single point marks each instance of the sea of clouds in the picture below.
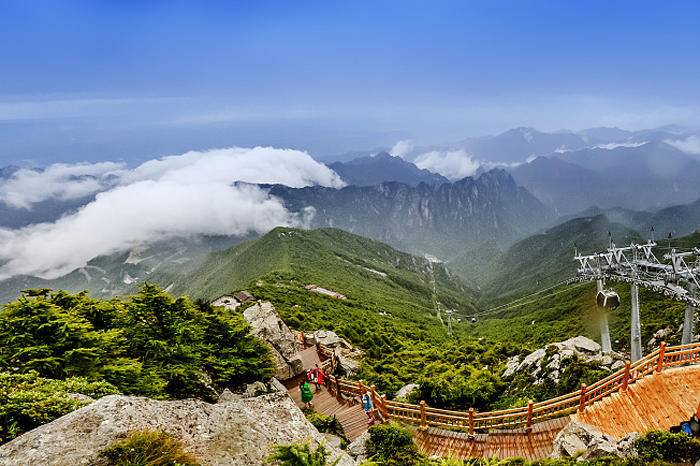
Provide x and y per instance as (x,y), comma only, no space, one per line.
(176,196)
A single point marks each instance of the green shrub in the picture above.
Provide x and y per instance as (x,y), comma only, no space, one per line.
(324,423)
(28,401)
(392,445)
(150,344)
(148,448)
(300,455)
(677,448)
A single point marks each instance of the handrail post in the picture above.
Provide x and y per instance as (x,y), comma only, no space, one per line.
(303,339)
(626,376)
(582,401)
(361,387)
(471,421)
(375,398)
(338,392)
(660,362)
(528,421)
(423,417)
(385,408)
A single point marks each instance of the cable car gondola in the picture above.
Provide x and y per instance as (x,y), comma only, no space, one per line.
(608,299)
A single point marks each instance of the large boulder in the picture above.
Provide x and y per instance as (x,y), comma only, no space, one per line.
(349,360)
(585,442)
(267,325)
(323,337)
(238,431)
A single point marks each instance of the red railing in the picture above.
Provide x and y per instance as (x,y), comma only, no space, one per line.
(525,416)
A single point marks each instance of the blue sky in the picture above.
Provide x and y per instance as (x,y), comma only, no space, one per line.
(132,80)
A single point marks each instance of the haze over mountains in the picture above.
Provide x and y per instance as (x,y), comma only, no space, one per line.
(635,179)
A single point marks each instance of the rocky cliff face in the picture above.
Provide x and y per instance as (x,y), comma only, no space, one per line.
(267,325)
(236,431)
(438,220)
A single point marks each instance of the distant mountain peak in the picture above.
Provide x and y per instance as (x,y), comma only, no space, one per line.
(382,167)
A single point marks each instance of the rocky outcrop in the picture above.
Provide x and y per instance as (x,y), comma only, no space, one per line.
(358,448)
(585,442)
(349,358)
(323,337)
(546,364)
(406,391)
(237,431)
(267,325)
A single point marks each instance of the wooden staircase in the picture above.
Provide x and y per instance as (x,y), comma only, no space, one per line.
(655,402)
(350,415)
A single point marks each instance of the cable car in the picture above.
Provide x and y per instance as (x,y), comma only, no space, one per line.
(608,299)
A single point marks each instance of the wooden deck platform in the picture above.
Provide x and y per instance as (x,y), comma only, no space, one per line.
(655,402)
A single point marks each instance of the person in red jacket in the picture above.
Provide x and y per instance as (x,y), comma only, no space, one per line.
(318,377)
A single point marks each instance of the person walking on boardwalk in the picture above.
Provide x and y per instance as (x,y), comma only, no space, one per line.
(318,377)
(368,406)
(307,395)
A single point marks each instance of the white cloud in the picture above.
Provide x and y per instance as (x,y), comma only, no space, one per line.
(177,196)
(59,181)
(453,164)
(401,148)
(691,144)
(615,145)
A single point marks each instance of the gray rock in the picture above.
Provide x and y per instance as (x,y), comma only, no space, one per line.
(255,389)
(358,448)
(267,325)
(239,432)
(349,360)
(581,344)
(532,359)
(617,365)
(405,391)
(585,442)
(323,337)
(511,366)
(332,440)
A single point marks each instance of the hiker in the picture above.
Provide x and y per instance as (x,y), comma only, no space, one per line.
(306,394)
(368,406)
(318,377)
(311,375)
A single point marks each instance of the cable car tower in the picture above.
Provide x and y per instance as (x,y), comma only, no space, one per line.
(677,277)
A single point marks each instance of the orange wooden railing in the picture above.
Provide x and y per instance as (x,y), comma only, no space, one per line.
(525,416)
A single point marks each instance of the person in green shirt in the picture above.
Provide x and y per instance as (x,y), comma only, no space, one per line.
(306,394)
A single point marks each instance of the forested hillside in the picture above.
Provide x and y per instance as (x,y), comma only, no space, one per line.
(538,261)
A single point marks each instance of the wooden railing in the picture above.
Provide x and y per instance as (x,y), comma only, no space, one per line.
(522,417)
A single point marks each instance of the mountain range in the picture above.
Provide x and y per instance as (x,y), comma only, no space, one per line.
(425,219)
(649,176)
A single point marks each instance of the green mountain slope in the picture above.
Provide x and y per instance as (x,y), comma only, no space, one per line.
(568,310)
(364,270)
(541,260)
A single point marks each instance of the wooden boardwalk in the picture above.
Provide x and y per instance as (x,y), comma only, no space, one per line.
(351,416)
(534,445)
(656,402)
(655,399)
